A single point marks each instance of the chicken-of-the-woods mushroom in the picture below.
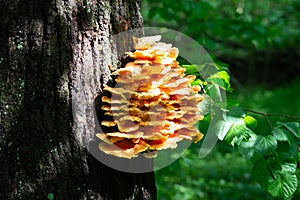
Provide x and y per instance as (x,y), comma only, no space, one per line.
(153,106)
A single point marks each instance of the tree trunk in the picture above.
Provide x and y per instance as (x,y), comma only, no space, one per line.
(54,59)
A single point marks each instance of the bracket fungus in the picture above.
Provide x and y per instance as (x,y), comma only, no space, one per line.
(153,105)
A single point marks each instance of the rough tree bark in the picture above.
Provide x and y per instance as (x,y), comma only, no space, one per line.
(54,57)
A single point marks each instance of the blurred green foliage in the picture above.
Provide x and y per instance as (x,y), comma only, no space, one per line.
(259,23)
(257,38)
(218,176)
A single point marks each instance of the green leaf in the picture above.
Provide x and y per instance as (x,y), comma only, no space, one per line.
(217,95)
(247,148)
(222,79)
(276,177)
(284,185)
(265,145)
(231,135)
(231,118)
(275,188)
(283,182)
(257,146)
(260,172)
(283,135)
(191,69)
(293,127)
(199,82)
(286,152)
(237,134)
(289,167)
(221,66)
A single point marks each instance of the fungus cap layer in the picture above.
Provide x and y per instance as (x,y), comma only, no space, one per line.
(153,106)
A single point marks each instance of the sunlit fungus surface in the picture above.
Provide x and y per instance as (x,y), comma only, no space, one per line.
(153,105)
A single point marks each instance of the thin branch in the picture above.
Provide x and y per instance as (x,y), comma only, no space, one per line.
(283,115)
(267,115)
(271,114)
(268,120)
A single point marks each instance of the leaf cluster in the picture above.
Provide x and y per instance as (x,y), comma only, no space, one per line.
(274,155)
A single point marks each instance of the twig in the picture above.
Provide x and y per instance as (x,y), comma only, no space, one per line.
(267,115)
(272,114)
